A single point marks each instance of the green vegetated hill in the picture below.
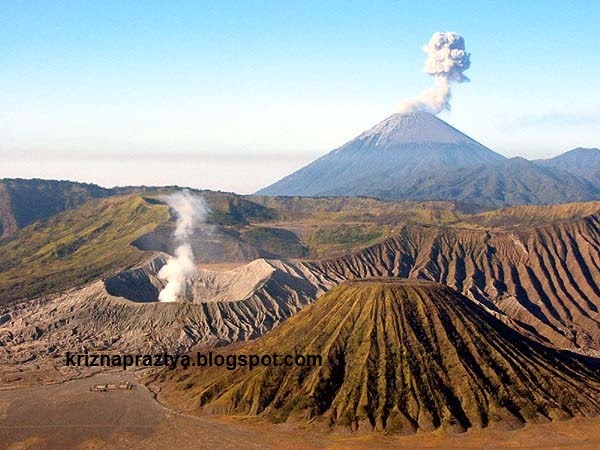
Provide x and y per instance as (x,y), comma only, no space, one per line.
(22,202)
(288,227)
(398,356)
(76,246)
(528,216)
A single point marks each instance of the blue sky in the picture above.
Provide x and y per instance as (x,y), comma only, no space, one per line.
(257,89)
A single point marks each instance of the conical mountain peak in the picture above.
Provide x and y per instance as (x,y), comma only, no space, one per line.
(414,128)
(398,356)
(394,150)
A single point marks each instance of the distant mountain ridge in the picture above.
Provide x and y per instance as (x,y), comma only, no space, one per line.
(418,156)
(510,182)
(391,161)
(582,162)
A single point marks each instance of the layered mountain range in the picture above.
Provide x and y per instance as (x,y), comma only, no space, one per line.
(428,314)
(538,279)
(418,156)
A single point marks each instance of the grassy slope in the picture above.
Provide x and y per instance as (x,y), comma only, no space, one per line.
(529,216)
(75,247)
(335,226)
(402,355)
(331,226)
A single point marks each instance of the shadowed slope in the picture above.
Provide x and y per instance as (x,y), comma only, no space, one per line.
(582,162)
(24,201)
(514,181)
(399,356)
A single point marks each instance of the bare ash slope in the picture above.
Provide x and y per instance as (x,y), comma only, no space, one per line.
(121,313)
(545,279)
(398,356)
(541,281)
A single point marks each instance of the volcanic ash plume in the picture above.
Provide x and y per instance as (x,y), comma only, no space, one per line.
(446,62)
(190,211)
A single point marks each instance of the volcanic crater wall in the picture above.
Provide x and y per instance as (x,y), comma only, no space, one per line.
(140,284)
(545,279)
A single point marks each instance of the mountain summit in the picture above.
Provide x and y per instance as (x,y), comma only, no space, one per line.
(399,147)
(413,128)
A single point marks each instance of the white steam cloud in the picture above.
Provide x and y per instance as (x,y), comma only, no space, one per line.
(446,62)
(190,211)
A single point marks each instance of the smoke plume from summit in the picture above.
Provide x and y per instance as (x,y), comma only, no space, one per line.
(190,211)
(446,62)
